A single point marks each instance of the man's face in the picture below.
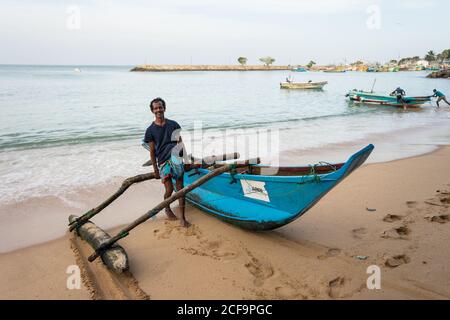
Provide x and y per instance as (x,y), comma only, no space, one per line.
(158,109)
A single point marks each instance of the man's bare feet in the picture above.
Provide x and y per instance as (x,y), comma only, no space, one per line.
(185,223)
(170,215)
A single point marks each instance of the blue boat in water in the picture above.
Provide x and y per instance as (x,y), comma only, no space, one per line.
(358,96)
(261,197)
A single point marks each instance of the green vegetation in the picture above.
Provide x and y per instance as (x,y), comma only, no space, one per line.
(431,56)
(242,60)
(310,64)
(267,60)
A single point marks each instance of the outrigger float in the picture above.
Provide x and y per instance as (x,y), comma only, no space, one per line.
(244,193)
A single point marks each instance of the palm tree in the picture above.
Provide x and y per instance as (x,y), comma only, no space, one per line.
(431,56)
(310,64)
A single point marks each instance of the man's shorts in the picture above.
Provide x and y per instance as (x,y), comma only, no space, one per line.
(172,168)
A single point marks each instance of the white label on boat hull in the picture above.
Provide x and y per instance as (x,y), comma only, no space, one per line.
(255,190)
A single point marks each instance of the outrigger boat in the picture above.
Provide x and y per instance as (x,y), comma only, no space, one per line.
(245,194)
(257,199)
(303,85)
(365,97)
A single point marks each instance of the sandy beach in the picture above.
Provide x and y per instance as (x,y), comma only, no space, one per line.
(394,215)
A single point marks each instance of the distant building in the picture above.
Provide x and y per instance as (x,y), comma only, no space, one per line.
(422,63)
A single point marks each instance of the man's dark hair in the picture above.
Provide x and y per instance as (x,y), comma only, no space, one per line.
(158,100)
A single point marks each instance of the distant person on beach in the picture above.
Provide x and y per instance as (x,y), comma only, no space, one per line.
(164,139)
(400,93)
(440,96)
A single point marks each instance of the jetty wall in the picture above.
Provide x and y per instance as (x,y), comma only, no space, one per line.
(164,68)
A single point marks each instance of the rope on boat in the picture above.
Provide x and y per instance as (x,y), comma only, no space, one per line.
(316,179)
(233,173)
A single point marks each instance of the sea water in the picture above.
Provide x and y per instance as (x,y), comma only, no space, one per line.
(61,129)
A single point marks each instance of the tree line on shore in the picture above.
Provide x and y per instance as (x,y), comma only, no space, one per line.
(430,56)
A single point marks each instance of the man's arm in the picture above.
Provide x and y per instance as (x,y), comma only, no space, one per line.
(153,157)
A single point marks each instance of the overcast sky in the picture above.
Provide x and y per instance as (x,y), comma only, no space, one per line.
(217,32)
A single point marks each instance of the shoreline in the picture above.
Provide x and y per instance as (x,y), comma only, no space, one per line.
(314,257)
(46,209)
(117,227)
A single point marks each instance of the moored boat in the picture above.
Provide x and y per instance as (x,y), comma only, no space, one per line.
(299,69)
(335,71)
(303,85)
(385,100)
(262,197)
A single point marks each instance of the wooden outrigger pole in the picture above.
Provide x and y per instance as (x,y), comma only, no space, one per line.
(205,162)
(181,193)
(76,223)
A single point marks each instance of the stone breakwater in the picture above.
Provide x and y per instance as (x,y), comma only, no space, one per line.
(440,74)
(163,68)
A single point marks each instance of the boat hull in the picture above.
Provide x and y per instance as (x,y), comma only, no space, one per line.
(311,85)
(265,202)
(370,98)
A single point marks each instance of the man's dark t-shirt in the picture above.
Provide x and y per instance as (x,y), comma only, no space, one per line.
(165,138)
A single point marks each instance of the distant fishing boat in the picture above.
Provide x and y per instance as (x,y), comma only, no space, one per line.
(394,69)
(299,69)
(77,70)
(303,85)
(253,200)
(334,71)
(365,97)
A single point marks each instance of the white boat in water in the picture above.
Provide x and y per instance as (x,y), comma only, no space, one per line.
(303,85)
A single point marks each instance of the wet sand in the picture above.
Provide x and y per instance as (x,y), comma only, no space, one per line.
(393,215)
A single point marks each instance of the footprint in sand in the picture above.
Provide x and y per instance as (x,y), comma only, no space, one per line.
(411,204)
(288,291)
(440,218)
(445,200)
(335,287)
(174,226)
(260,270)
(358,233)
(398,232)
(212,249)
(397,260)
(392,218)
(333,252)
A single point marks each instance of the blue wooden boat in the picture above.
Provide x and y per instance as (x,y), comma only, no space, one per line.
(254,200)
(365,97)
(299,69)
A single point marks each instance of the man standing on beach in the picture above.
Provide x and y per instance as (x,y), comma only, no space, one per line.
(163,137)
(440,96)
